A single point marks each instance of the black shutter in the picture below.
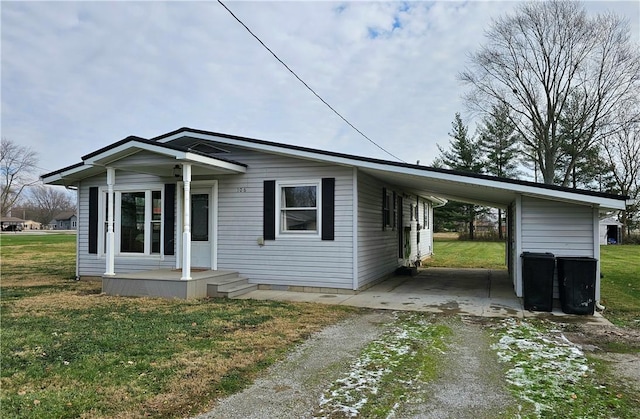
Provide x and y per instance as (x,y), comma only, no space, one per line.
(269,210)
(169,212)
(93,220)
(328,208)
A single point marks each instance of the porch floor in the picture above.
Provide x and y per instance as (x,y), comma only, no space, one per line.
(474,292)
(165,283)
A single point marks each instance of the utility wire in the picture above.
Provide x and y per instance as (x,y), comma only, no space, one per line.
(306,85)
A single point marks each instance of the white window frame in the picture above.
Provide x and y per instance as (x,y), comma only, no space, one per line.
(102,229)
(298,233)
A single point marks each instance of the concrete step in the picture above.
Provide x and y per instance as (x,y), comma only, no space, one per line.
(222,277)
(238,290)
(229,286)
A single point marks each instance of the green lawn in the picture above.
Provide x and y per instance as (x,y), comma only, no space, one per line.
(620,283)
(467,254)
(68,351)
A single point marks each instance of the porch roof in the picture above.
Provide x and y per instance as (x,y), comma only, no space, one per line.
(115,156)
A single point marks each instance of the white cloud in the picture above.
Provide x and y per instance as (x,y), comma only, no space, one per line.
(77,76)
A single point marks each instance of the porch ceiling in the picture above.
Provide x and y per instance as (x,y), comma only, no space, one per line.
(483,190)
(448,189)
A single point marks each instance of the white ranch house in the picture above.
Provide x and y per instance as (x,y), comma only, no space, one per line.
(192,212)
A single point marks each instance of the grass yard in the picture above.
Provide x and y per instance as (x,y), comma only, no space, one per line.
(454,253)
(620,284)
(68,351)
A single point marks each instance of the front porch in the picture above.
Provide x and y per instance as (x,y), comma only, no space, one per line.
(167,283)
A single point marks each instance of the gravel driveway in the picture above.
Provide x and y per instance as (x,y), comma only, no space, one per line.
(471,385)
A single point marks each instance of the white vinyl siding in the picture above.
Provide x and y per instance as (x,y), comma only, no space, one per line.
(377,248)
(560,228)
(291,259)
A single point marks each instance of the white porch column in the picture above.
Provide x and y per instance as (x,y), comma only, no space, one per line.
(110,250)
(186,232)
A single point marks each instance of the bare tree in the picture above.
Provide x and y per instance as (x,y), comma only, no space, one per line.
(45,202)
(550,61)
(622,150)
(17,164)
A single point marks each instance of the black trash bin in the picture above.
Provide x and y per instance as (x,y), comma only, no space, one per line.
(577,281)
(537,278)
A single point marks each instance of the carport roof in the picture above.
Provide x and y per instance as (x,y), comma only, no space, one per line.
(422,180)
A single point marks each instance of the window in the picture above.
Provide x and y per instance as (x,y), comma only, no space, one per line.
(132,225)
(156,220)
(200,217)
(137,221)
(298,208)
(389,209)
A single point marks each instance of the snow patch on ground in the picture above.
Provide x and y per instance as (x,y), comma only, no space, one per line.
(349,394)
(545,364)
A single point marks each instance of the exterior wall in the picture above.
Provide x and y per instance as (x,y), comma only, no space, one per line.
(563,229)
(285,261)
(560,228)
(378,247)
(95,264)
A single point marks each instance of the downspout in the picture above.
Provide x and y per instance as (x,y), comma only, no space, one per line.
(596,254)
(77,232)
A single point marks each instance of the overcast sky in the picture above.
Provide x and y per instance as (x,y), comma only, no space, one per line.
(77,76)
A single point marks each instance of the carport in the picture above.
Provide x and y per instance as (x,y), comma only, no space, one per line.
(540,218)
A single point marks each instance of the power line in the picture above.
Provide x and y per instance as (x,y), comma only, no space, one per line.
(306,85)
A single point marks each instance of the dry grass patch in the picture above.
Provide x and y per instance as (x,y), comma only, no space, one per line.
(69,351)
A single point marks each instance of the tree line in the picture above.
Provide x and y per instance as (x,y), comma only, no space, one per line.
(559,93)
(21,193)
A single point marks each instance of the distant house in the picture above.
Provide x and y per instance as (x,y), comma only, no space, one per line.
(65,221)
(32,225)
(610,231)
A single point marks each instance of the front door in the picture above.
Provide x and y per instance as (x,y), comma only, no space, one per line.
(201,232)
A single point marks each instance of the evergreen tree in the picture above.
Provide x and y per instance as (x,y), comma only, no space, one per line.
(463,155)
(498,142)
